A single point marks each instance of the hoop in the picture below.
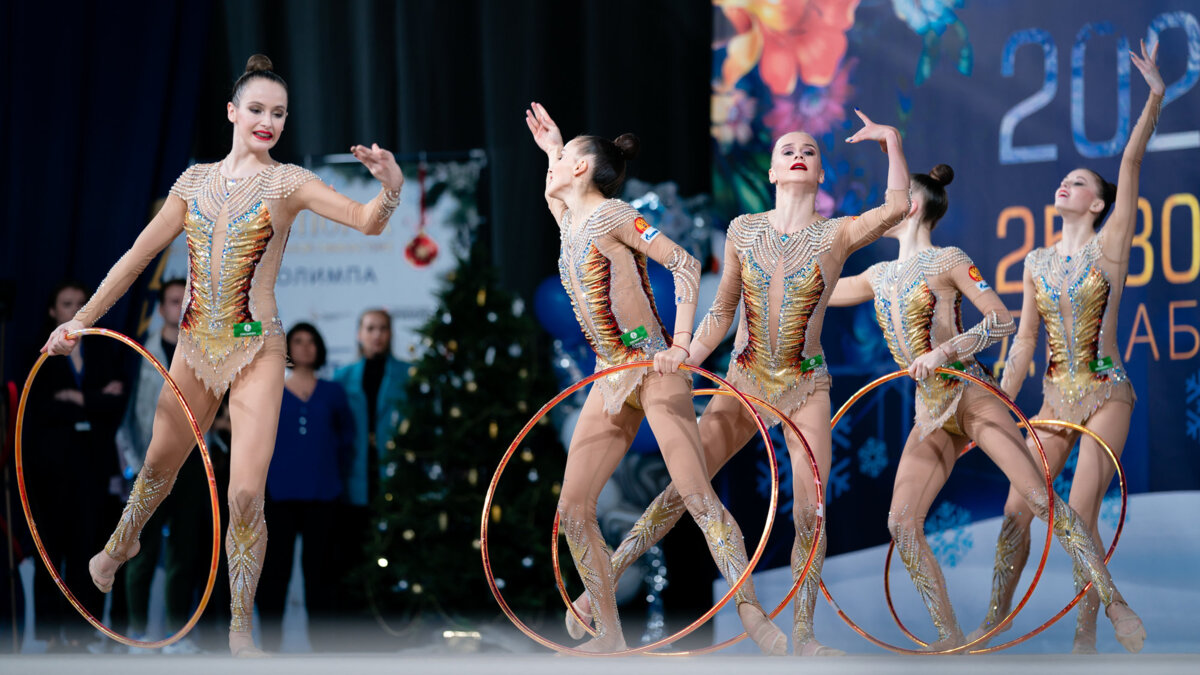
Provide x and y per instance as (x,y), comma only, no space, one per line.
(1078,596)
(208,469)
(795,586)
(487,506)
(994,391)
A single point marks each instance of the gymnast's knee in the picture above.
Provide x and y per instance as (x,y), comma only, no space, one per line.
(905,528)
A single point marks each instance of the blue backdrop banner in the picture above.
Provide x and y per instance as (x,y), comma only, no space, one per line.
(1013,94)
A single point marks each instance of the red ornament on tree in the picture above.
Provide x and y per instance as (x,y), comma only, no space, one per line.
(422,250)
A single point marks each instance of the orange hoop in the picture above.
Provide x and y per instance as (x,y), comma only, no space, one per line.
(1078,596)
(795,586)
(994,391)
(487,506)
(212,490)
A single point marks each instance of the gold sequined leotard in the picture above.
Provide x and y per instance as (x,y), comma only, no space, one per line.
(236,232)
(1078,297)
(602,266)
(1078,300)
(785,282)
(918,304)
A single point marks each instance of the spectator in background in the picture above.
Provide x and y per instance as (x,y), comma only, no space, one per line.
(375,386)
(185,516)
(72,472)
(315,440)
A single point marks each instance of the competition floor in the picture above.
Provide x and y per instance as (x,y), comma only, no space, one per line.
(492,664)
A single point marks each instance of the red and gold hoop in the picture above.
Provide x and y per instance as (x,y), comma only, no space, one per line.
(212,490)
(1120,469)
(487,507)
(812,459)
(994,391)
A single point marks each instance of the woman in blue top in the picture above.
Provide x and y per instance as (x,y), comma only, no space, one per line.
(304,483)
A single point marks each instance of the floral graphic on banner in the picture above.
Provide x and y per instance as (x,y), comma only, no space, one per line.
(930,19)
(782,65)
(779,65)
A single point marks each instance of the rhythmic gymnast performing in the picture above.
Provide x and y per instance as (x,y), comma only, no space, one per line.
(1075,287)
(918,300)
(605,243)
(783,265)
(236,215)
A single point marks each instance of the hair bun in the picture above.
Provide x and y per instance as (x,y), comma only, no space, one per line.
(942,173)
(629,145)
(258,62)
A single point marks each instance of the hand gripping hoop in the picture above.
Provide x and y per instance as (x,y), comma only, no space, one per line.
(212,491)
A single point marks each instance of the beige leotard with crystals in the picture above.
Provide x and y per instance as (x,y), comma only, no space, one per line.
(785,282)
(602,266)
(918,304)
(236,232)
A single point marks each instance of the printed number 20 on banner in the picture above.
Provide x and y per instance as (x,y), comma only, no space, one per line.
(1010,154)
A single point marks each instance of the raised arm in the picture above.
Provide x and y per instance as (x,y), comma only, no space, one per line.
(851,291)
(549,139)
(157,235)
(1121,223)
(715,325)
(1020,354)
(871,225)
(370,218)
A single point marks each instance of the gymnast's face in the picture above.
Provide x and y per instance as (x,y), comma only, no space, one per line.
(796,160)
(1079,192)
(259,115)
(571,163)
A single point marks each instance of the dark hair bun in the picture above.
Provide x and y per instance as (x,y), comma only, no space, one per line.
(629,145)
(258,62)
(943,174)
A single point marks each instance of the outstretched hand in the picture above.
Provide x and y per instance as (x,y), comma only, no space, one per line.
(545,131)
(1147,63)
(873,132)
(58,344)
(381,163)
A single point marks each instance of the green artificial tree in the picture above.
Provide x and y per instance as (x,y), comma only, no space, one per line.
(482,373)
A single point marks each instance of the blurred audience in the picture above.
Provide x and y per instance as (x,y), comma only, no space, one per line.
(314,444)
(73,474)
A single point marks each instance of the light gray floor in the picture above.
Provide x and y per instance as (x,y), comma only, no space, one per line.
(501,664)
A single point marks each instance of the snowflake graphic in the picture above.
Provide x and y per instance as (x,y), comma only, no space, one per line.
(872,457)
(1062,483)
(1110,508)
(839,478)
(785,475)
(1193,400)
(947,535)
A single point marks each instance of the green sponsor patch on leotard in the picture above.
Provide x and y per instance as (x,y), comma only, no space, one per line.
(248,329)
(635,337)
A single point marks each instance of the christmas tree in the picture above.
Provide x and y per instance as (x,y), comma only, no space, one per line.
(482,373)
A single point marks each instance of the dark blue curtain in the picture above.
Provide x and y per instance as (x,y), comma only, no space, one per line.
(98,121)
